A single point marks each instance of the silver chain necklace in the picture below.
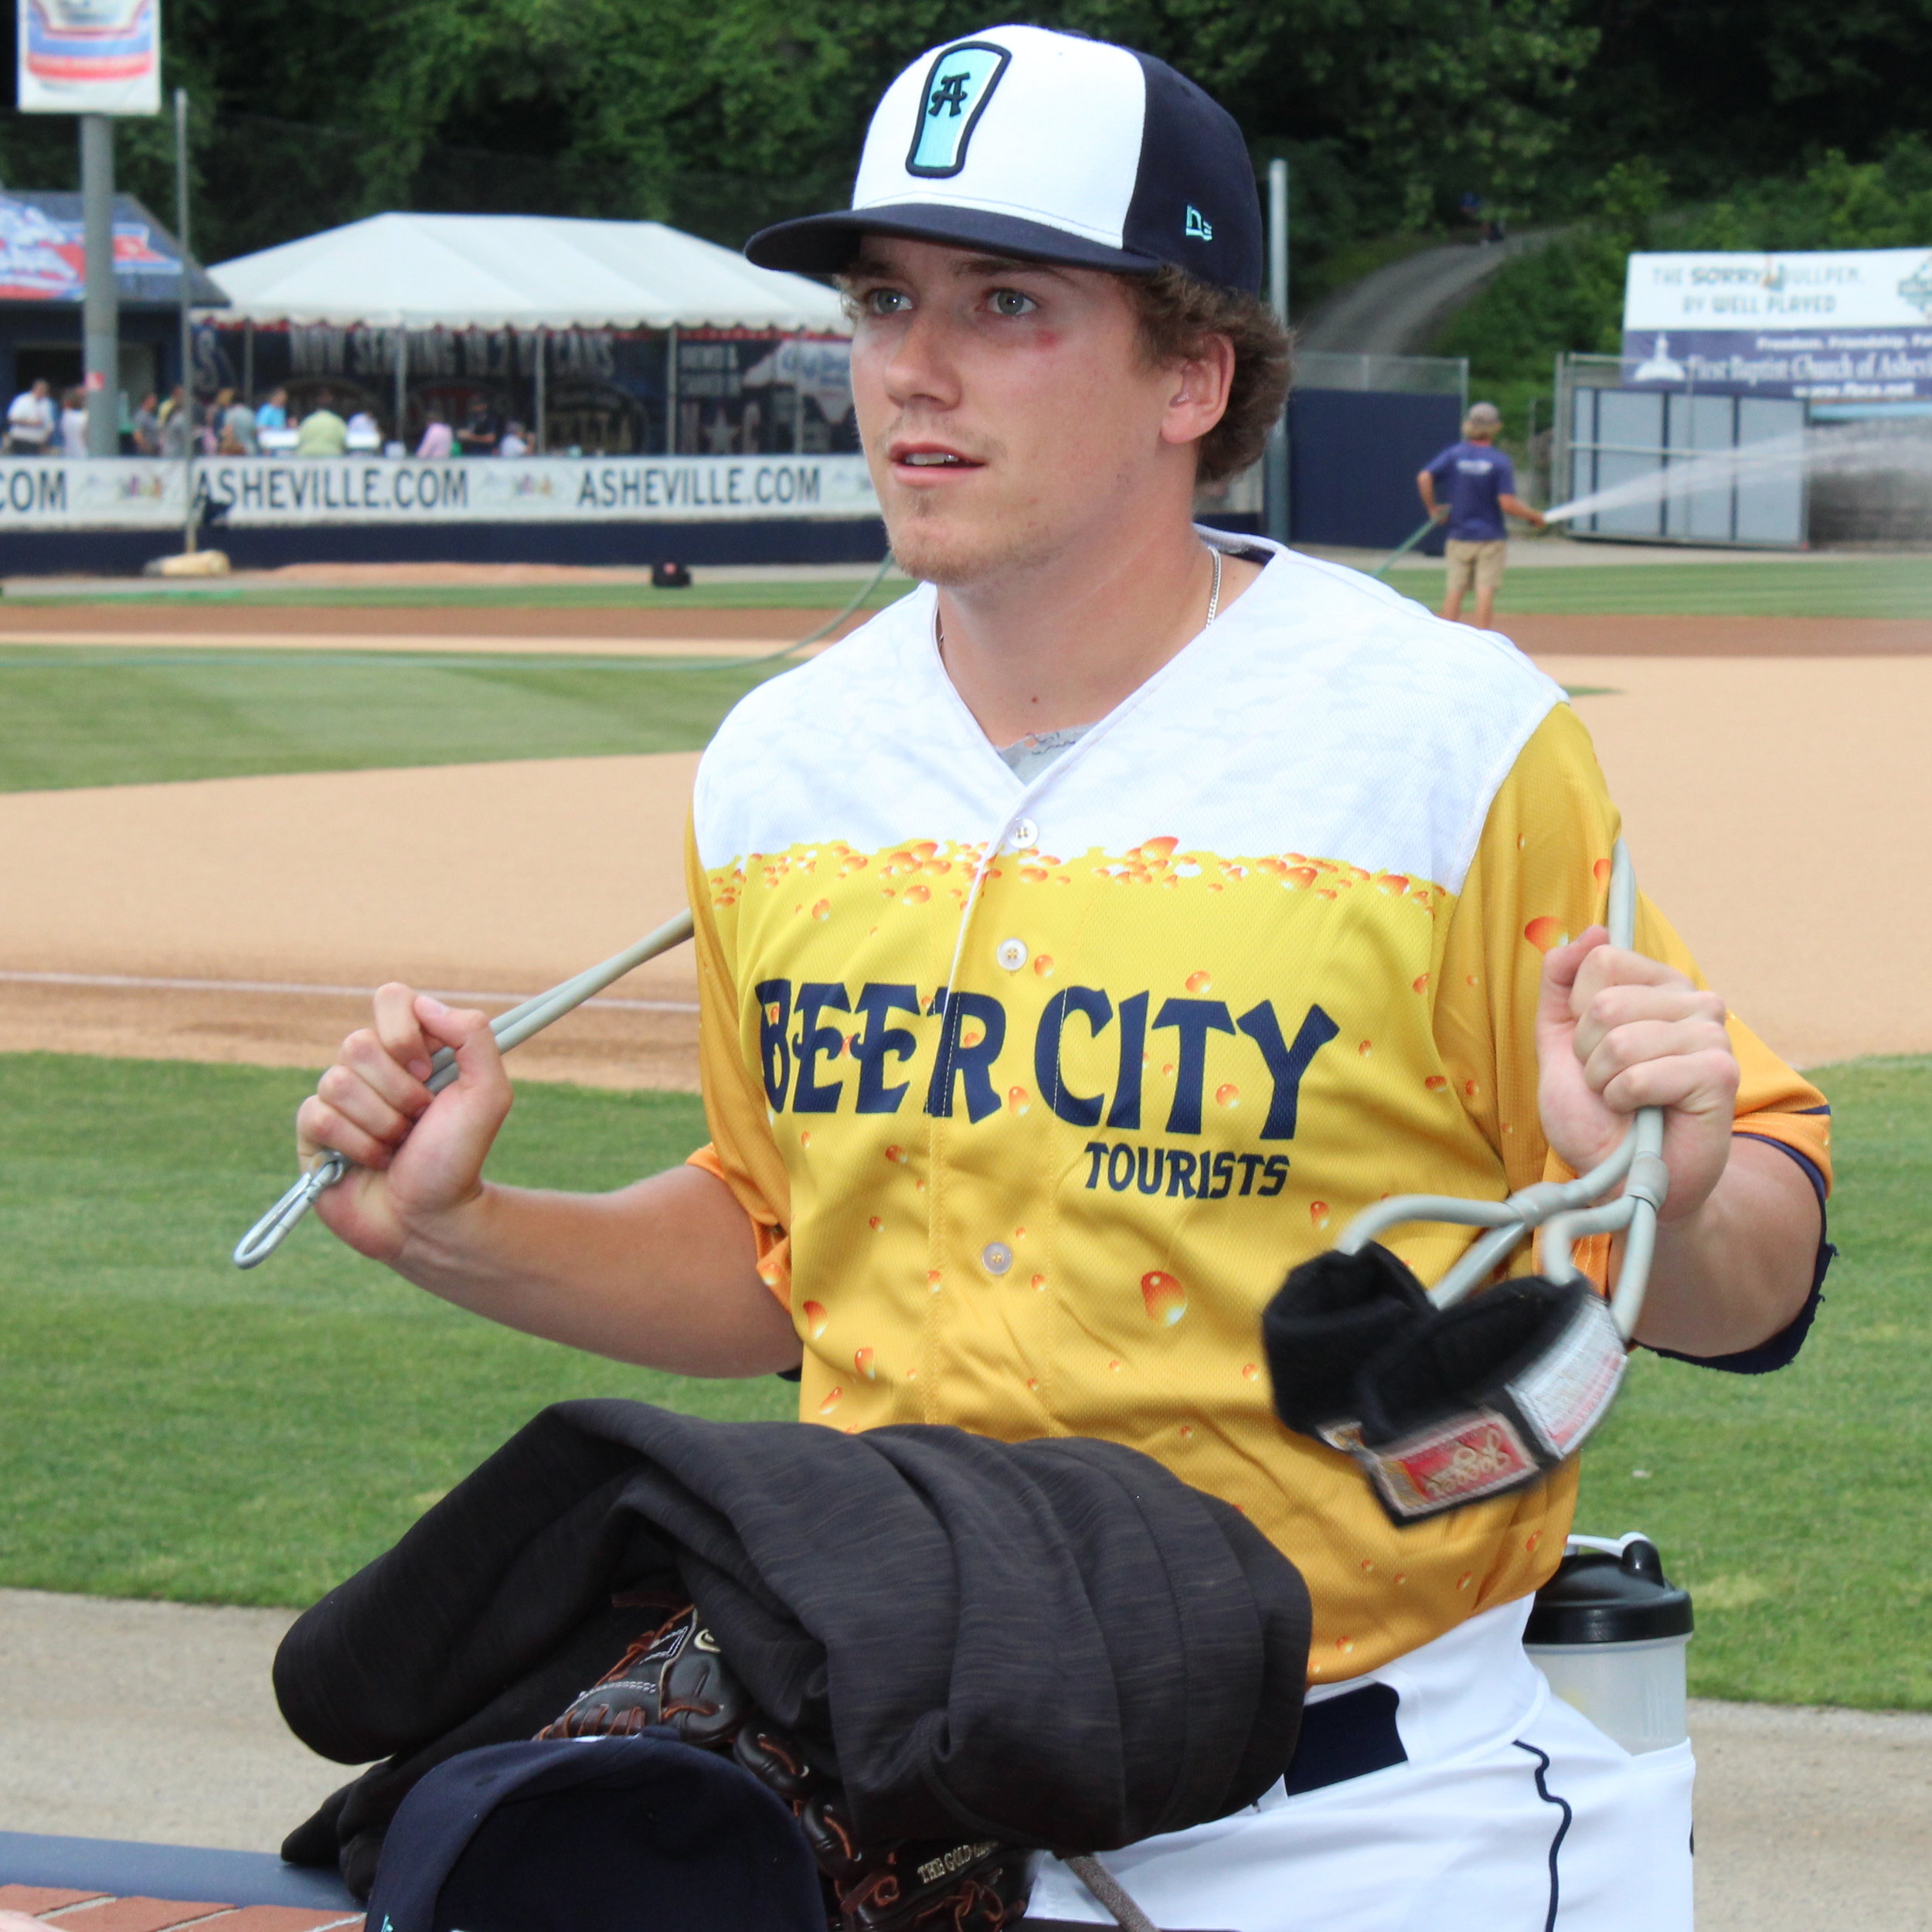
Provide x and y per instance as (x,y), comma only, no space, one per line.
(1214,599)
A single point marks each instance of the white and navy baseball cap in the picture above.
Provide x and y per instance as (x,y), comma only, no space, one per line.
(1050,146)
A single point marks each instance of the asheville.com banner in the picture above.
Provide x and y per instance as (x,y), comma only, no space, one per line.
(141,493)
(1853,326)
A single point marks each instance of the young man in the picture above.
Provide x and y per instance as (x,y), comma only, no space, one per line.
(1087,939)
(32,419)
(1481,484)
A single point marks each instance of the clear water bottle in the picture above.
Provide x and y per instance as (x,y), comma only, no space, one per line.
(1609,1630)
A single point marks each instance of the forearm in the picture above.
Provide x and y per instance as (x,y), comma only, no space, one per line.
(1736,1271)
(1426,489)
(662,1273)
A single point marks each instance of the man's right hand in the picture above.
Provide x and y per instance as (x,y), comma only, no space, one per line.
(418,1158)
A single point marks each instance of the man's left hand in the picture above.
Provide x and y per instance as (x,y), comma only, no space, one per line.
(1616,1032)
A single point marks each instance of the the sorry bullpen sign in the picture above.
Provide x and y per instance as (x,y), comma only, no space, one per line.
(1849,327)
(133,493)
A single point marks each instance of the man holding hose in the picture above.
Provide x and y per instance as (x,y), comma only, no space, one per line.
(1481,485)
(1086,939)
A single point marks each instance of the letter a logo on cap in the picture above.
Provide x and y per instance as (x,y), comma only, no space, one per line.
(958,89)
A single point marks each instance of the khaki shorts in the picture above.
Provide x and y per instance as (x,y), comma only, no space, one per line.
(1482,562)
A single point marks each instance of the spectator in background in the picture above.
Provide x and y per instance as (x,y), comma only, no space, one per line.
(321,432)
(1480,482)
(238,436)
(177,426)
(513,441)
(73,423)
(146,426)
(273,414)
(437,439)
(477,436)
(30,421)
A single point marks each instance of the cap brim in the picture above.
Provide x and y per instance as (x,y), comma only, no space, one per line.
(825,244)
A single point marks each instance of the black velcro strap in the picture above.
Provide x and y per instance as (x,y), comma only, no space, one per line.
(1332,1315)
(1345,1737)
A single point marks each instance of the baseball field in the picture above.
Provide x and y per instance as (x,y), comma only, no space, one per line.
(225,814)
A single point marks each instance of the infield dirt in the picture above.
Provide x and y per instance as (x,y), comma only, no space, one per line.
(1776,801)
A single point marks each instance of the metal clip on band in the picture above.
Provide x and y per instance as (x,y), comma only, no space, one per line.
(1567,1211)
(511,1030)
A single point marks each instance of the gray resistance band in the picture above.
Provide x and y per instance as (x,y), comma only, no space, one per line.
(1564,1209)
(513,1027)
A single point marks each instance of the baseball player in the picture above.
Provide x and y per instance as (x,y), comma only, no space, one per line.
(1086,939)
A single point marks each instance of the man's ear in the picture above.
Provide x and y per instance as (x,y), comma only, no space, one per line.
(1203,381)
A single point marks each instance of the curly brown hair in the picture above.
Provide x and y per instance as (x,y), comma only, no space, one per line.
(1175,311)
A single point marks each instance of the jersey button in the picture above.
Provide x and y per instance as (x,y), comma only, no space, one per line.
(996,1257)
(1011,953)
(1023,833)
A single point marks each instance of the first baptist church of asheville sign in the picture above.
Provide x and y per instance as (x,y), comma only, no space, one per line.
(1854,326)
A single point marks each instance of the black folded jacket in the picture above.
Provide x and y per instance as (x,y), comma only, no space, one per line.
(1055,1643)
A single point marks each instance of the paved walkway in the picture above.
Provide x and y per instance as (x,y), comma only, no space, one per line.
(155,1721)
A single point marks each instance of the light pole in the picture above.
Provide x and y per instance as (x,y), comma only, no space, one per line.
(1275,462)
(188,519)
(100,304)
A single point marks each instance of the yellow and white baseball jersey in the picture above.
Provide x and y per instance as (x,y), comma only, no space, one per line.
(1035,1091)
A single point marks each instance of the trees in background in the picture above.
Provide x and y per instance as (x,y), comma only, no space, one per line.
(722,116)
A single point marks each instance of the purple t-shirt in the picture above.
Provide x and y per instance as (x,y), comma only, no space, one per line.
(1470,477)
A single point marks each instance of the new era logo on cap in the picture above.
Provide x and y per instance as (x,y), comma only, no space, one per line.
(1052,146)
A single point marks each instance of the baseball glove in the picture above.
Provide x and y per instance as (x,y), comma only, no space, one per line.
(676,1677)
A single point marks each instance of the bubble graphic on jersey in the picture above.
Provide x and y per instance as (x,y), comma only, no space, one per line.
(822,909)
(971,1034)
(917,895)
(1227,1095)
(1199,982)
(831,1402)
(932,1280)
(1299,878)
(862,1361)
(897,1154)
(1600,870)
(1319,1213)
(1420,984)
(1155,851)
(1367,1047)
(805,1138)
(1472,1089)
(1043,965)
(815,1319)
(1546,933)
(876,1224)
(1018,1099)
(1393,884)
(1166,1299)
(1039,1280)
(1250,1372)
(1437,1083)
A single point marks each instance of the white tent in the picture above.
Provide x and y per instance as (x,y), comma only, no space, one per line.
(515,271)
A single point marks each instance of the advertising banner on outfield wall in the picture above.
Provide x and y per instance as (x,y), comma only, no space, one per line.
(90,56)
(1852,326)
(261,492)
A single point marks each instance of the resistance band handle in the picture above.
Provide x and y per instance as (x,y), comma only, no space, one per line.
(511,1030)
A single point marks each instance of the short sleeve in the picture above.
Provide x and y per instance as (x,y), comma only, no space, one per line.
(1439,469)
(1541,875)
(742,1153)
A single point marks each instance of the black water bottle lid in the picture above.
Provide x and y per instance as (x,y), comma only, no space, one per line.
(1598,1597)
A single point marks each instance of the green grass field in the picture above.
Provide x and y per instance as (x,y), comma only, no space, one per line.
(171,1427)
(763,594)
(75,715)
(1866,587)
(71,716)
